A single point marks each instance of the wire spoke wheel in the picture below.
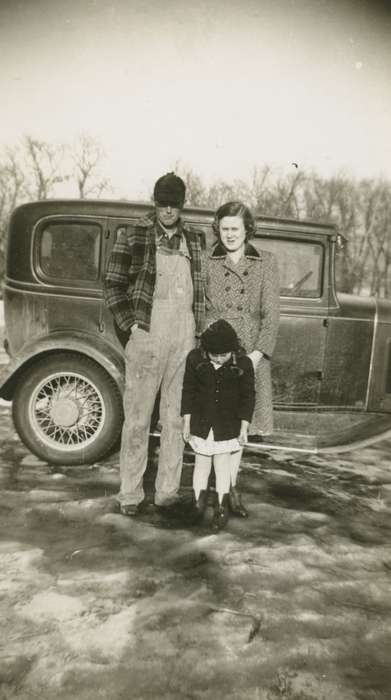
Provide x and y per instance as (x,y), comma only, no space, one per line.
(67,410)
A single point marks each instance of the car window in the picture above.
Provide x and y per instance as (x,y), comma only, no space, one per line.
(300,265)
(70,250)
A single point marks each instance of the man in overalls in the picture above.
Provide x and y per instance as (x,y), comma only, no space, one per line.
(154,288)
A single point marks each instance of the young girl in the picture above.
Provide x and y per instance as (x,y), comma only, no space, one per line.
(217,406)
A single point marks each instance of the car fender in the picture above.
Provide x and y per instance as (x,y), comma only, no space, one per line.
(98,349)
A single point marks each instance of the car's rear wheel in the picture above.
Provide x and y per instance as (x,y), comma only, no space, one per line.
(68,410)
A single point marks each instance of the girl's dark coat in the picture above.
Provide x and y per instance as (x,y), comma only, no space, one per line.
(218,399)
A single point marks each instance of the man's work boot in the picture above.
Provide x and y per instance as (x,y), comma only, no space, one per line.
(236,506)
(132,509)
(220,516)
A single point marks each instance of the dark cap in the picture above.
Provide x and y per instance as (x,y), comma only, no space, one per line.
(219,338)
(170,190)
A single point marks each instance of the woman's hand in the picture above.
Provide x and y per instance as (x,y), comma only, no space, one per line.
(255,357)
(186,427)
(243,437)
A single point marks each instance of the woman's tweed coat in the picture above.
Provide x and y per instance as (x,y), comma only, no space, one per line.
(246,295)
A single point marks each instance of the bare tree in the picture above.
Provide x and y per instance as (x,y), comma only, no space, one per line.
(13,185)
(258,186)
(87,156)
(223,191)
(336,200)
(13,191)
(361,210)
(376,212)
(274,195)
(195,190)
(44,163)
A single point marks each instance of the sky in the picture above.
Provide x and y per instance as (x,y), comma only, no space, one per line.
(220,86)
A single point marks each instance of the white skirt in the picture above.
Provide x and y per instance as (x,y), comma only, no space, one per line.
(209,446)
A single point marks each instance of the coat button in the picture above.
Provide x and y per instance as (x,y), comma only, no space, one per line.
(245,273)
(240,308)
(227,289)
(242,291)
(226,274)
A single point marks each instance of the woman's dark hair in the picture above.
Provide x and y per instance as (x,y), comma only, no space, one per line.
(234,209)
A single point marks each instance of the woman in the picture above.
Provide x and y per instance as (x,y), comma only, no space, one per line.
(242,287)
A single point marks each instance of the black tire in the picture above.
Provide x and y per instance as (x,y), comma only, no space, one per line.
(68,410)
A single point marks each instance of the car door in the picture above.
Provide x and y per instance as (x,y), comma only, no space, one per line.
(298,360)
(351,328)
(67,260)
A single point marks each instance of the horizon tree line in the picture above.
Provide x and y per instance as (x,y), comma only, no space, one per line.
(361,209)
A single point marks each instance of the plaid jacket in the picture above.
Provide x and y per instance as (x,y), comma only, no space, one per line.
(131,274)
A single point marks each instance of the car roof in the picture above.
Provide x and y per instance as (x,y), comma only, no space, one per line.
(123,208)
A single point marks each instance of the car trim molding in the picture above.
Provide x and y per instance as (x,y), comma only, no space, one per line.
(372,360)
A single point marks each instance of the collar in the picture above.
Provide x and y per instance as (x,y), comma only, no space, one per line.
(161,232)
(220,252)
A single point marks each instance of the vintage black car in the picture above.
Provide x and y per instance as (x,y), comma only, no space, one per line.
(331,367)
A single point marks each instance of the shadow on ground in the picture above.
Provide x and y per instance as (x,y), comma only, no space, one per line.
(291,604)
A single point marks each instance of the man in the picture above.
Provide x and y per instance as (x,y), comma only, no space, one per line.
(154,288)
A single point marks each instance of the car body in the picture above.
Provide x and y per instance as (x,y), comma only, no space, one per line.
(331,367)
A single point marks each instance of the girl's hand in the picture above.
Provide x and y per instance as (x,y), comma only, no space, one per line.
(243,432)
(255,357)
(243,435)
(186,428)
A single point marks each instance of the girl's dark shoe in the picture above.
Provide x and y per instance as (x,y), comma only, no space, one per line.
(220,516)
(236,506)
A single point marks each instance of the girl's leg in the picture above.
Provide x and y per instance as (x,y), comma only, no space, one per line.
(222,466)
(202,467)
(235,464)
(235,502)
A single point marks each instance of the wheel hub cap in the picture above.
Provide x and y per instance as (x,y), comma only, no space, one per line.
(64,412)
(67,411)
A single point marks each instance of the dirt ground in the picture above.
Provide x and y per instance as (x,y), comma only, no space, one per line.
(292,604)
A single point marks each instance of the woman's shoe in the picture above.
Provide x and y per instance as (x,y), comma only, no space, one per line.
(220,516)
(236,506)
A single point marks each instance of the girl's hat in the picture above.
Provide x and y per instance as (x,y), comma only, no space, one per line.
(219,338)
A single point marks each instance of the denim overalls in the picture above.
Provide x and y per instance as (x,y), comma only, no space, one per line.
(157,359)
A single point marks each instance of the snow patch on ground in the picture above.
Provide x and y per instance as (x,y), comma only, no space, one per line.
(52,605)
(101,641)
(292,603)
